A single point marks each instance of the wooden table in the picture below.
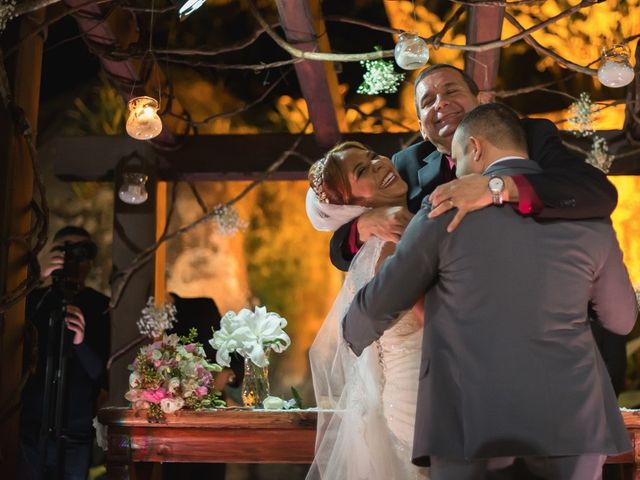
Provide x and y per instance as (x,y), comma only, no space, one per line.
(242,436)
(220,436)
(632,459)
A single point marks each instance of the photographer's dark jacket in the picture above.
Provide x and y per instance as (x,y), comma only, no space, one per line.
(86,366)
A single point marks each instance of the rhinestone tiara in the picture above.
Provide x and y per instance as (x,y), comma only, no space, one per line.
(317,179)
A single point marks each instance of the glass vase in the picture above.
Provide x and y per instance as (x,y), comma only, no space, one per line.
(255,385)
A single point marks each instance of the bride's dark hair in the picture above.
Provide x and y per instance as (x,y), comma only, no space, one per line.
(328,180)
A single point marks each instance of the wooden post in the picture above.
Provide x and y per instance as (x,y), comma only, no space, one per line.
(484,24)
(304,27)
(160,260)
(134,229)
(632,109)
(16,191)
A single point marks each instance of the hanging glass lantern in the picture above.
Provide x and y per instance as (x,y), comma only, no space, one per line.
(133,190)
(143,123)
(615,68)
(411,51)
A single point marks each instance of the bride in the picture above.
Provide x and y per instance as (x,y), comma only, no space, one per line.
(366,404)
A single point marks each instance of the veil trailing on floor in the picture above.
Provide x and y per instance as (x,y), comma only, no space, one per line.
(353,440)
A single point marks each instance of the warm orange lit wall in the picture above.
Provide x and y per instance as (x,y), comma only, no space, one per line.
(626,220)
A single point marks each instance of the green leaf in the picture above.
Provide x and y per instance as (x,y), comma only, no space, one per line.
(296,397)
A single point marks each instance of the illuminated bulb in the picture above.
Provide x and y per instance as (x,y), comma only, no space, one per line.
(143,122)
(187,7)
(615,69)
(133,190)
(411,51)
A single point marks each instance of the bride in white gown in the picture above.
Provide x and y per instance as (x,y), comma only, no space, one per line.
(367,404)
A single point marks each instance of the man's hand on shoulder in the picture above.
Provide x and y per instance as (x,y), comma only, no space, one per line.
(467,194)
(386,223)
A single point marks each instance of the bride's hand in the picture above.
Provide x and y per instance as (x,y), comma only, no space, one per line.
(386,223)
(418,311)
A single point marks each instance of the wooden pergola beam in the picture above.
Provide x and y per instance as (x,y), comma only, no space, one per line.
(304,28)
(484,24)
(200,157)
(16,193)
(239,157)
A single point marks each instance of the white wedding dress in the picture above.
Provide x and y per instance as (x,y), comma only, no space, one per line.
(366,404)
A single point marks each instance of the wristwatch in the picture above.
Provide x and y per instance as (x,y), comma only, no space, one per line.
(496,187)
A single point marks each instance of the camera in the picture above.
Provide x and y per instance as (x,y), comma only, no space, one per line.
(76,265)
(78,251)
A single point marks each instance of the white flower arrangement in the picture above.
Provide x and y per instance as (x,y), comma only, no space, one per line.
(7,8)
(380,77)
(155,320)
(228,220)
(582,111)
(599,155)
(251,334)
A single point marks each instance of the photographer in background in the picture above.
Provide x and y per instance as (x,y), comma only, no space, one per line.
(86,317)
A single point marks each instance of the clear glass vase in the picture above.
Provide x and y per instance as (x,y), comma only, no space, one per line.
(255,385)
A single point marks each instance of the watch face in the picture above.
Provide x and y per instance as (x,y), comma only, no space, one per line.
(496,184)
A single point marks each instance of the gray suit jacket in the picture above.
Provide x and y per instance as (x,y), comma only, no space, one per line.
(509,364)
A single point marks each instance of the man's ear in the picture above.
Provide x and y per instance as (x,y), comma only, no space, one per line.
(485,96)
(476,144)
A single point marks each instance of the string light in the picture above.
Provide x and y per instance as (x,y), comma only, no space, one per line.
(187,7)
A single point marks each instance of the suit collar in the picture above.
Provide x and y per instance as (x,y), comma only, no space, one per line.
(433,160)
(430,170)
(513,167)
(435,155)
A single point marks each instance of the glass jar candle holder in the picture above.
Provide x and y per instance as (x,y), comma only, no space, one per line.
(133,190)
(615,68)
(143,123)
(411,51)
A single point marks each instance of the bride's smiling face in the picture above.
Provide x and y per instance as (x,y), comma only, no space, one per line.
(373,180)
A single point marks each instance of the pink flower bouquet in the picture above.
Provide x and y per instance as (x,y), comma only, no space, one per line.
(172,373)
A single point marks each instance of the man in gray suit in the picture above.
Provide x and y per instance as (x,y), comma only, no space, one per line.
(509,365)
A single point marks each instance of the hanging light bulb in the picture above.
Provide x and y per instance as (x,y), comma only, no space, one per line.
(133,190)
(187,7)
(411,51)
(143,122)
(615,68)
